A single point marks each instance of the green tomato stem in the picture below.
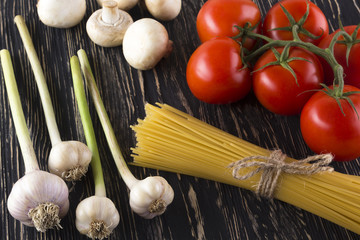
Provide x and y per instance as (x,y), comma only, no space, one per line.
(40,80)
(326,53)
(22,131)
(88,127)
(122,167)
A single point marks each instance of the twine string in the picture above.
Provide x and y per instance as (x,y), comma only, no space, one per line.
(274,164)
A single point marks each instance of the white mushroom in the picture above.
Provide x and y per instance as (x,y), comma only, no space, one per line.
(165,10)
(145,43)
(107,26)
(125,5)
(61,13)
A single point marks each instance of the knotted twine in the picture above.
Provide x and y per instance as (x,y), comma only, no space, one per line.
(274,165)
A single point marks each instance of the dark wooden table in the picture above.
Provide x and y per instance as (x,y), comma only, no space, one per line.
(201,209)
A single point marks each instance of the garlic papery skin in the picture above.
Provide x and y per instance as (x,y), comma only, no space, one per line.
(42,195)
(150,197)
(61,13)
(96,217)
(69,160)
(145,43)
(125,5)
(164,10)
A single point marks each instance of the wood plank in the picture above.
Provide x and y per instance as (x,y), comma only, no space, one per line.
(201,209)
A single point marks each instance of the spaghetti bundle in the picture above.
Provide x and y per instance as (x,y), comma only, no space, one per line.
(170,140)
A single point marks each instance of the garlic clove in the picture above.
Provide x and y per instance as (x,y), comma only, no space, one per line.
(96,217)
(150,197)
(61,13)
(145,43)
(164,10)
(106,27)
(69,160)
(35,189)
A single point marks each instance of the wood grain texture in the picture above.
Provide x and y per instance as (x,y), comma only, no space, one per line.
(201,209)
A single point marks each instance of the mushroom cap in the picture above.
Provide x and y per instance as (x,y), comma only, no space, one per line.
(164,10)
(125,5)
(105,34)
(145,43)
(61,13)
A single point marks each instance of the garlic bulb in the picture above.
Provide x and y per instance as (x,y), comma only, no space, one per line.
(96,217)
(150,197)
(39,199)
(76,167)
(69,160)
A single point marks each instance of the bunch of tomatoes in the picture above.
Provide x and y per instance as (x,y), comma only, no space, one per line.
(289,73)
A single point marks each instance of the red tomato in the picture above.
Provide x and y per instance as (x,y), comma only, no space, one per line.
(325,129)
(214,72)
(217,18)
(315,23)
(276,88)
(351,70)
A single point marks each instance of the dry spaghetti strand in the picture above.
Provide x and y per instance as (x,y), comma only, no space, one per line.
(171,140)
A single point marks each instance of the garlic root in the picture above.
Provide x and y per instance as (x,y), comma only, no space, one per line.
(45,216)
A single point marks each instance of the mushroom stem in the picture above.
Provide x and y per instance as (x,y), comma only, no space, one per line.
(106,26)
(110,13)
